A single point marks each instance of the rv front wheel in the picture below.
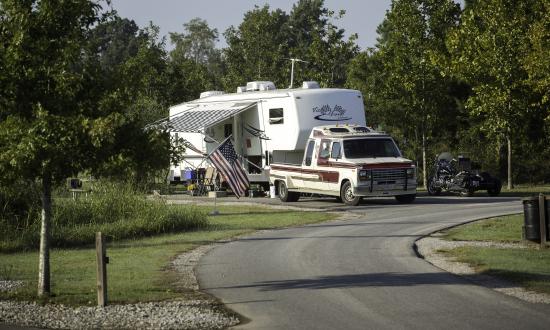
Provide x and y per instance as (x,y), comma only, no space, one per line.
(346,193)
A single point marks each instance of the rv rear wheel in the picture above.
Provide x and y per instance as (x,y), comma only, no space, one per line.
(285,195)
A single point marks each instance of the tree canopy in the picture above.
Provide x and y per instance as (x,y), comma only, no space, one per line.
(488,52)
(261,47)
(403,83)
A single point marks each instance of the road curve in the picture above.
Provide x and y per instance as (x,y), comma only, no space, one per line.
(362,273)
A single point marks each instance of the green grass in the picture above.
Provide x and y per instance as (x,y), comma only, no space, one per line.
(499,229)
(518,191)
(138,269)
(528,267)
(117,210)
(525,190)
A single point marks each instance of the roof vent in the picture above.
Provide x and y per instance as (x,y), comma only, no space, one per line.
(362,129)
(241,89)
(310,85)
(260,86)
(210,93)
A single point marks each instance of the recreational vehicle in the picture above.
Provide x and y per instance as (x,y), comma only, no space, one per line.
(267,124)
(349,162)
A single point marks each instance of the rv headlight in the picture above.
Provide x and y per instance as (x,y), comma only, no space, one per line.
(410,173)
(364,175)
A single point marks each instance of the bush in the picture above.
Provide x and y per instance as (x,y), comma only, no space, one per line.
(117,210)
(19,210)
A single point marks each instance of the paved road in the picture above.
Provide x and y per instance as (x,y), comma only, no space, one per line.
(362,273)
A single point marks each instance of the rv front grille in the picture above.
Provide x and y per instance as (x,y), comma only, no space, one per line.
(389,174)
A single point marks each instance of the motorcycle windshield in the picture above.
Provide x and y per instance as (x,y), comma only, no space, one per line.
(369,148)
(446,156)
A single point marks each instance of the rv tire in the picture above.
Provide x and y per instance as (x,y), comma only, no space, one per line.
(285,195)
(346,193)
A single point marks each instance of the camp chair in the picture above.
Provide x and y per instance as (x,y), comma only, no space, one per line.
(208,183)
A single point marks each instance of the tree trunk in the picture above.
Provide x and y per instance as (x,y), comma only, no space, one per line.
(510,184)
(424,170)
(44,258)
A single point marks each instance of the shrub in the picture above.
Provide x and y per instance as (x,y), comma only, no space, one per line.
(117,210)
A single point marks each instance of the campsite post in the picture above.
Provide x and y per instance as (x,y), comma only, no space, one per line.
(102,261)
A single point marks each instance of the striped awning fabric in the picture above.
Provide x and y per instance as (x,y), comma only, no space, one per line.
(206,115)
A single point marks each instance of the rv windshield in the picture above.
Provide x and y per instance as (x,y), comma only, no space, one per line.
(365,148)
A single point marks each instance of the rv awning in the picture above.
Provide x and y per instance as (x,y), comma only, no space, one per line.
(206,115)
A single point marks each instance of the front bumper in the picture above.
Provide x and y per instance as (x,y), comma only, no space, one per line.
(386,189)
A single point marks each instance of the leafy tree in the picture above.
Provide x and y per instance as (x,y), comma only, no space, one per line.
(195,65)
(331,55)
(402,81)
(307,19)
(257,48)
(45,121)
(135,93)
(537,59)
(197,43)
(487,52)
(315,38)
(186,80)
(67,105)
(115,39)
(262,46)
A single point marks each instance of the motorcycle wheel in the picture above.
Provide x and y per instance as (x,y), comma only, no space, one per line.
(432,189)
(495,191)
(468,192)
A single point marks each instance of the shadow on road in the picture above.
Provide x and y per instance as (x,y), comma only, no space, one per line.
(388,279)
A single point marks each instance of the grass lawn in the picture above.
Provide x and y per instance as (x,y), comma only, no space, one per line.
(525,190)
(517,191)
(529,267)
(499,229)
(138,268)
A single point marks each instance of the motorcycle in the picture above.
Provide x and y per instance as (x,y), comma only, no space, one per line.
(454,175)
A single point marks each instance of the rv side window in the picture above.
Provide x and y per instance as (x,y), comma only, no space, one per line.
(309,152)
(336,150)
(276,116)
(325,147)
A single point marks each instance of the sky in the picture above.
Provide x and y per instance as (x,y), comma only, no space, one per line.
(362,16)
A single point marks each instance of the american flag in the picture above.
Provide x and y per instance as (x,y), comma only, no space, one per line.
(226,161)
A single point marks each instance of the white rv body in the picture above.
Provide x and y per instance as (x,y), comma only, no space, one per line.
(266,124)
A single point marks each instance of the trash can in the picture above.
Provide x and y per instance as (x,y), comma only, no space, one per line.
(531,222)
(531,214)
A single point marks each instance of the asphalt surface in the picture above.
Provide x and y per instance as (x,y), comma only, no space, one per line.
(362,273)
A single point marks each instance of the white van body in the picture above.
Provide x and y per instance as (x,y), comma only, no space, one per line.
(267,125)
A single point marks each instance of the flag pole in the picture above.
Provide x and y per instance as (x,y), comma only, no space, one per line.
(215,210)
